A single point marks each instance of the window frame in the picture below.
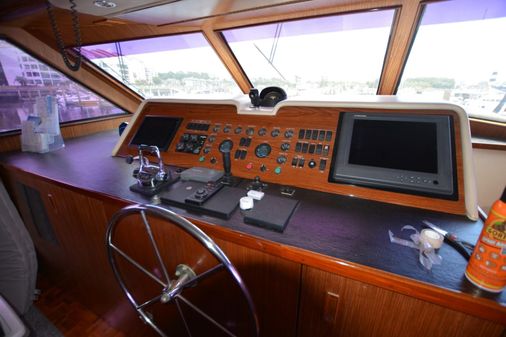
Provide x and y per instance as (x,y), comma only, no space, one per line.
(45,62)
(393,27)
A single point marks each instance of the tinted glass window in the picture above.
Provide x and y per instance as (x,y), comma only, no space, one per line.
(323,56)
(459,55)
(24,78)
(165,66)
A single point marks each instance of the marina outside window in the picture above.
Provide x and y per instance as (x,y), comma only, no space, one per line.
(330,55)
(459,55)
(168,66)
(24,78)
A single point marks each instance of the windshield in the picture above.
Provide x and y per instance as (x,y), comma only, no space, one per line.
(459,55)
(324,56)
(165,66)
(23,79)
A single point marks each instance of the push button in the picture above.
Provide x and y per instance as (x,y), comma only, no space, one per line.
(323,164)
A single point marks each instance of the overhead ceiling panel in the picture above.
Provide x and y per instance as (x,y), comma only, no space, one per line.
(172,11)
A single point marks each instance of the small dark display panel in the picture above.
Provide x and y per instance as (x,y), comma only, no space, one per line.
(397,145)
(156,130)
(411,153)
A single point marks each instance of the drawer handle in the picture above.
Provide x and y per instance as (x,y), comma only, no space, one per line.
(330,307)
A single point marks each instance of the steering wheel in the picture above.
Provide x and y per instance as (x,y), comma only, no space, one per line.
(171,290)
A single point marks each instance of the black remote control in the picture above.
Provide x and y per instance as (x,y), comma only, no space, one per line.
(202,194)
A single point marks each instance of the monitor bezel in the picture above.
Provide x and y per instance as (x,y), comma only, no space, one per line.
(343,172)
(169,139)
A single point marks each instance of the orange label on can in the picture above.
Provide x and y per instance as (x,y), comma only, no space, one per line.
(487,266)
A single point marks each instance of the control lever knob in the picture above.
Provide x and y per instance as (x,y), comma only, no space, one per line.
(129,159)
(225,148)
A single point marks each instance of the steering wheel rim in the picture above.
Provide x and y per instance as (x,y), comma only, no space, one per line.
(172,289)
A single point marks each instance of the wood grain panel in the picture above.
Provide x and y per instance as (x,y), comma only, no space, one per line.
(77,129)
(80,224)
(460,301)
(273,282)
(365,310)
(400,43)
(288,118)
(223,52)
(70,317)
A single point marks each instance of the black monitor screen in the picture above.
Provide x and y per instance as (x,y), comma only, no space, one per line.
(400,145)
(156,130)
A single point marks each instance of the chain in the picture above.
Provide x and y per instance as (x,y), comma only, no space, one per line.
(59,39)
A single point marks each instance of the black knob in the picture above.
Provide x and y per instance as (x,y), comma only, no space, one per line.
(213,160)
(263,168)
(311,163)
(129,159)
(254,97)
(288,133)
(225,148)
(211,139)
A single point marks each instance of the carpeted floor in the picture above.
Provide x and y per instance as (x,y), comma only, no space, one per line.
(39,325)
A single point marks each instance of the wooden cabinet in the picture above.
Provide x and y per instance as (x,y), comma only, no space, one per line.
(332,305)
(77,260)
(68,227)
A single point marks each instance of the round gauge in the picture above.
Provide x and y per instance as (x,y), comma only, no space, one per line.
(216,128)
(263,150)
(226,129)
(285,146)
(211,139)
(226,146)
(262,132)
(238,130)
(250,131)
(275,133)
(288,133)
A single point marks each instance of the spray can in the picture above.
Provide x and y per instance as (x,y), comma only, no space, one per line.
(487,266)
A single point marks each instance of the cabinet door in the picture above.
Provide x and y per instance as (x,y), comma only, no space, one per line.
(332,305)
(273,282)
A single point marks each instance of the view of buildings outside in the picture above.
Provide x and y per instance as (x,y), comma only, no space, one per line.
(459,55)
(23,79)
(167,66)
(331,55)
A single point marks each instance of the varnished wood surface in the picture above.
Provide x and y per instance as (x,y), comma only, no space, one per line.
(68,315)
(287,119)
(338,234)
(335,306)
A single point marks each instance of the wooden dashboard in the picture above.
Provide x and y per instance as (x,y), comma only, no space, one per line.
(293,147)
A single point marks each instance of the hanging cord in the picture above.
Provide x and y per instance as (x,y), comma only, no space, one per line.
(59,39)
